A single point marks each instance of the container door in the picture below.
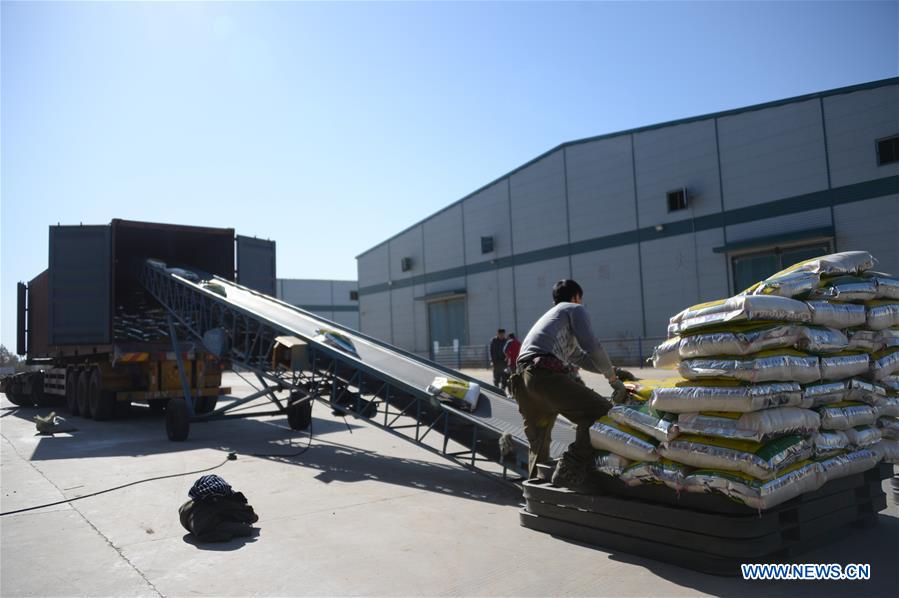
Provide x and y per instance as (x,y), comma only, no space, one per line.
(80,285)
(256,264)
(21,298)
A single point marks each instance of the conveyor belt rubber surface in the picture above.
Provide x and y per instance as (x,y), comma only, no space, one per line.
(494,411)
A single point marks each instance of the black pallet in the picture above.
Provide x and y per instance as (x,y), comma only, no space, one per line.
(715,535)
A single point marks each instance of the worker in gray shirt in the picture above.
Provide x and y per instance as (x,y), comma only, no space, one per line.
(545,384)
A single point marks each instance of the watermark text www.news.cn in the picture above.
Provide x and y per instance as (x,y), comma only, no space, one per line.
(806,571)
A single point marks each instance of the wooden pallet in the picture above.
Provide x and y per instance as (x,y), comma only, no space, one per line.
(708,533)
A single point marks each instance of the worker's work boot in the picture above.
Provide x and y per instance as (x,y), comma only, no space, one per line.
(569,474)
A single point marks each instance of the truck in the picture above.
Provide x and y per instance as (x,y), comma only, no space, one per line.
(96,339)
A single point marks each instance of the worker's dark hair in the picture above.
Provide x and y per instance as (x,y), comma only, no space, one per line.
(511,335)
(565,290)
(501,331)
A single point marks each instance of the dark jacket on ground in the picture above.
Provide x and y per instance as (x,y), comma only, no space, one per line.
(218,518)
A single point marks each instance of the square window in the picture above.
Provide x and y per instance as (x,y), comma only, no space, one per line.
(406,264)
(354,295)
(888,150)
(677,200)
(486,244)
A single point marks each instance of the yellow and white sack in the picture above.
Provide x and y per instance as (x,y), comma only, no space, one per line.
(608,435)
(887,450)
(756,459)
(776,366)
(889,427)
(863,436)
(758,426)
(663,471)
(837,315)
(827,443)
(733,396)
(881,314)
(460,392)
(844,365)
(885,364)
(845,415)
(645,419)
(840,466)
(740,308)
(610,463)
(805,476)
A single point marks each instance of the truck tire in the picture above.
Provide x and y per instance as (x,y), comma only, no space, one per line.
(72,392)
(19,399)
(84,407)
(299,415)
(102,403)
(177,420)
(204,405)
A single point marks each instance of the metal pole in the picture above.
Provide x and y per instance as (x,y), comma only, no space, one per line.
(184,386)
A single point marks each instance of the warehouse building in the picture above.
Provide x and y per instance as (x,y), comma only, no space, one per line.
(336,300)
(648,221)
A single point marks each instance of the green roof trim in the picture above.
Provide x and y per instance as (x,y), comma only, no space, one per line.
(671,123)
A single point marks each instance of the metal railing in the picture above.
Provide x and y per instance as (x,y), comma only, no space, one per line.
(632,352)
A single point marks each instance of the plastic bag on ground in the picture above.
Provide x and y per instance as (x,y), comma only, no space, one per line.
(663,471)
(610,463)
(837,315)
(887,450)
(741,308)
(840,466)
(645,419)
(757,426)
(719,395)
(458,392)
(805,476)
(782,366)
(882,314)
(752,458)
(608,435)
(845,415)
(844,365)
(826,443)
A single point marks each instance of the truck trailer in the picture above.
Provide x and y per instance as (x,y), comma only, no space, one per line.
(95,338)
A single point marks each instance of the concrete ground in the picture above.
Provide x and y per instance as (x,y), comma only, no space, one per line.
(360,513)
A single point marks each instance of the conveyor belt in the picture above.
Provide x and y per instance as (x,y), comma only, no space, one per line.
(494,411)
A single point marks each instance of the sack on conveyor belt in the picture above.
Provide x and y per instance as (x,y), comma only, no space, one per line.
(863,436)
(741,308)
(610,463)
(881,314)
(460,393)
(861,339)
(845,415)
(752,458)
(887,450)
(827,443)
(774,366)
(758,426)
(845,288)
(608,435)
(885,364)
(645,419)
(662,471)
(837,315)
(689,397)
(889,427)
(887,285)
(844,365)
(857,461)
(805,476)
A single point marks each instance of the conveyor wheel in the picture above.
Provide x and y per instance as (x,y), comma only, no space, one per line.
(102,403)
(299,415)
(83,388)
(72,392)
(177,420)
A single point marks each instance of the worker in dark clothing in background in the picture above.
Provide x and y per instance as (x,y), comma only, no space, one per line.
(511,350)
(544,386)
(497,357)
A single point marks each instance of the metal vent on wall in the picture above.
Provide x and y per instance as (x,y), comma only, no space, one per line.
(486,244)
(406,264)
(677,200)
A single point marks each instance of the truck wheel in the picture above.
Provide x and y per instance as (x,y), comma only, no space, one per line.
(84,407)
(102,403)
(177,420)
(72,392)
(20,399)
(299,415)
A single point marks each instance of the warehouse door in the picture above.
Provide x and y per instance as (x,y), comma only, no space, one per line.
(446,322)
(751,268)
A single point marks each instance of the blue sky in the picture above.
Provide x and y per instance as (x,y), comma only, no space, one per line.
(331,126)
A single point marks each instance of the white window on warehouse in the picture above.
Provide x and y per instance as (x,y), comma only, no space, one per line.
(751,267)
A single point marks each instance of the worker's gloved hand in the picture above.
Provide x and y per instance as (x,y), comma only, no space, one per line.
(619,392)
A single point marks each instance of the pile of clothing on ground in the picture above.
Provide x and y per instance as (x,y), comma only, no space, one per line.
(788,385)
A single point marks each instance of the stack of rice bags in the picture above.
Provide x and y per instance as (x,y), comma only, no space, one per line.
(788,385)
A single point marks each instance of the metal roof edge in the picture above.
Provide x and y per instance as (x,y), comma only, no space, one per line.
(681,121)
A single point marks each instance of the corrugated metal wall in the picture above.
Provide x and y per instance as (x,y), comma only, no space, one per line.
(596,210)
(327,298)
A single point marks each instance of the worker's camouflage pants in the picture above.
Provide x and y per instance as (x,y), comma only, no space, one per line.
(542,395)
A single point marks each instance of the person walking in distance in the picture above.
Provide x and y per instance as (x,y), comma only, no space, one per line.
(497,357)
(544,385)
(510,350)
